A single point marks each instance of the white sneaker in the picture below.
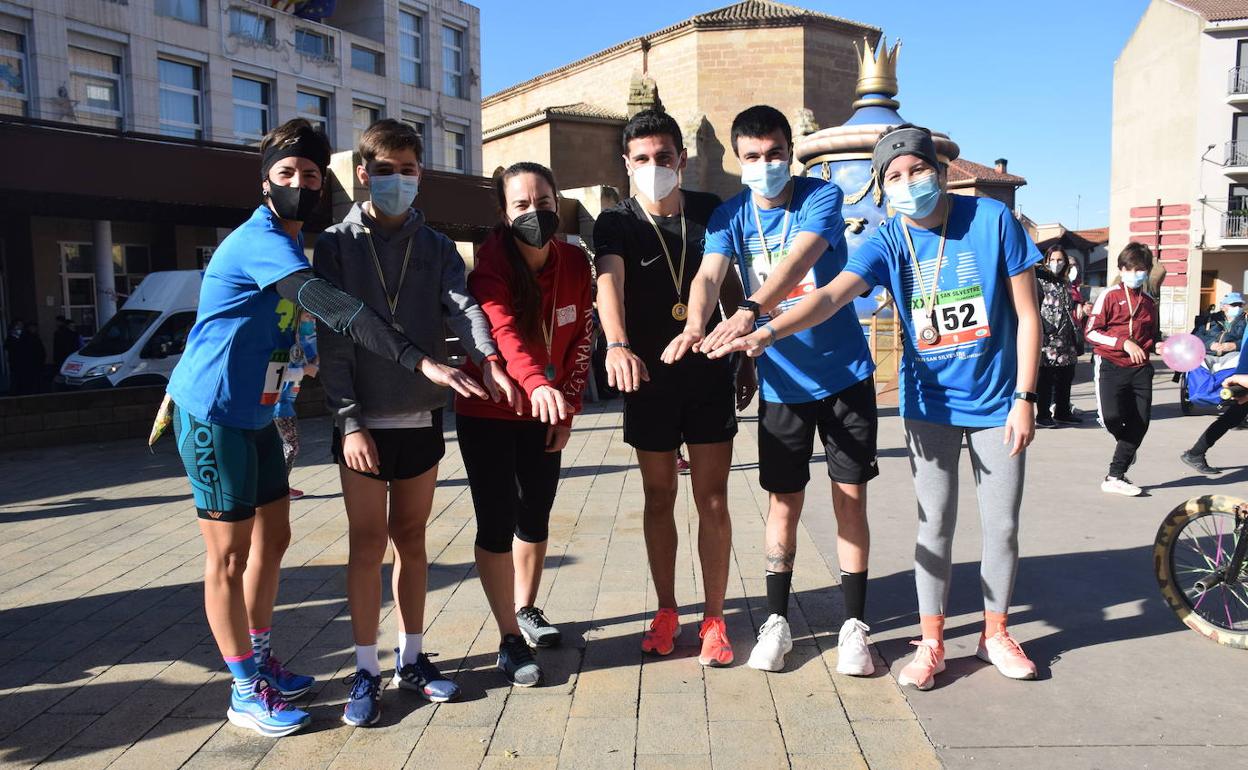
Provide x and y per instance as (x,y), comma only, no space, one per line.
(774,642)
(853,654)
(1120,486)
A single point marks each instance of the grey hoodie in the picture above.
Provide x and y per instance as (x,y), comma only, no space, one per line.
(359,384)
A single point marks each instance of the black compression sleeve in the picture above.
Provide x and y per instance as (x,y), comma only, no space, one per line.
(347,315)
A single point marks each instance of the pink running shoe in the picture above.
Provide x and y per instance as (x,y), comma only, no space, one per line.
(661,638)
(1003,652)
(921,671)
(296,494)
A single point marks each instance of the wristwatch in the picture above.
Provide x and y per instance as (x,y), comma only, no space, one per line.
(1025,395)
(750,305)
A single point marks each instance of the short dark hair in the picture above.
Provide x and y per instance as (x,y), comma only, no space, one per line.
(652,123)
(760,120)
(389,135)
(1135,255)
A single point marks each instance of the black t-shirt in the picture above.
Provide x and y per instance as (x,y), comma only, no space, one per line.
(649,291)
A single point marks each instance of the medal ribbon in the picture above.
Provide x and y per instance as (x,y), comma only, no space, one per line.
(391,299)
(677,278)
(548,332)
(940,259)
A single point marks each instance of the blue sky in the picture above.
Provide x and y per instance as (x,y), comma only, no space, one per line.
(1021,80)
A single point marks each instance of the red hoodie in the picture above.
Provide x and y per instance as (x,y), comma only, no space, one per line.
(1121,314)
(567,272)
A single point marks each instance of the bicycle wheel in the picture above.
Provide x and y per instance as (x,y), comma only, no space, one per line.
(1196,539)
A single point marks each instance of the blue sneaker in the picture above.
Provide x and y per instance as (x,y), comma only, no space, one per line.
(363,707)
(424,677)
(290,685)
(265,711)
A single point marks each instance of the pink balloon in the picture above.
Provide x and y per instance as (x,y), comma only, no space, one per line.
(1183,352)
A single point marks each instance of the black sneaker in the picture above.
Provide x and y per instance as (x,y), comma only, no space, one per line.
(516,660)
(1044,421)
(1197,462)
(1067,419)
(536,628)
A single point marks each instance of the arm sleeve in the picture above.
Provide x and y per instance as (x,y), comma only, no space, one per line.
(577,358)
(275,255)
(821,214)
(608,235)
(463,314)
(1207,334)
(337,353)
(870,260)
(492,292)
(721,232)
(347,315)
(1098,324)
(1019,253)
(1242,366)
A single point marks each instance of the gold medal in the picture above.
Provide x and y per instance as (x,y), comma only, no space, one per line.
(929,335)
(680,311)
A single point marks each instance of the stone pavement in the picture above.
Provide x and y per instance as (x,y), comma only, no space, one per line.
(105,659)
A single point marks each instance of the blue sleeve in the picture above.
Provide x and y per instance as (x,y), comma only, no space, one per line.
(821,213)
(1019,252)
(870,260)
(1242,366)
(721,235)
(271,256)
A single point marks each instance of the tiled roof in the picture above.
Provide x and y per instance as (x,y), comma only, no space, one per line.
(963,173)
(749,13)
(578,110)
(1097,235)
(1216,10)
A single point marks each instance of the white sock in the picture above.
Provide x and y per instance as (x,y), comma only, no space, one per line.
(410,647)
(366,658)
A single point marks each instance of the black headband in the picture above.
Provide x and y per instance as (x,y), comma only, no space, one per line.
(309,147)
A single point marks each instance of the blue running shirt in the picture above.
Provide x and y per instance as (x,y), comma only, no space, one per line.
(237,351)
(825,359)
(967,377)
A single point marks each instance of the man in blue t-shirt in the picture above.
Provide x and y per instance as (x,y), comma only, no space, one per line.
(960,271)
(786,236)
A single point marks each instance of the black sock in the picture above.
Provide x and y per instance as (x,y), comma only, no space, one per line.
(778,585)
(854,587)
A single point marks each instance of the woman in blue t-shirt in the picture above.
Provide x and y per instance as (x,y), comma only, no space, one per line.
(960,271)
(224,390)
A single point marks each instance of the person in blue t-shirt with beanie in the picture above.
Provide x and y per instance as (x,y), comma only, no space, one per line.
(786,237)
(224,390)
(960,270)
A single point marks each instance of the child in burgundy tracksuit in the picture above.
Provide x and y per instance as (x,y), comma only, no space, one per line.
(1123,333)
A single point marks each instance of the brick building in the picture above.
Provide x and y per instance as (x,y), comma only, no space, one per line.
(703,70)
(966,177)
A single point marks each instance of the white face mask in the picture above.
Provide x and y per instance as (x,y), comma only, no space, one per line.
(654,181)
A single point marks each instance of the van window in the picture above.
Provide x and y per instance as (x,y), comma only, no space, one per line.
(120,333)
(170,335)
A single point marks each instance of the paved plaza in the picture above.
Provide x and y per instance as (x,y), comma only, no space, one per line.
(106,660)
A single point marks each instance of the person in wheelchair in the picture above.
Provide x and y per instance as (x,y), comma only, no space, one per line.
(1223,330)
(1233,415)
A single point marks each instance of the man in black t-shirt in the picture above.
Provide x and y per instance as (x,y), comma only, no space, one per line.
(649,249)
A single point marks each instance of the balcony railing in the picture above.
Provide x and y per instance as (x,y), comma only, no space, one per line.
(1235,225)
(1236,153)
(1237,81)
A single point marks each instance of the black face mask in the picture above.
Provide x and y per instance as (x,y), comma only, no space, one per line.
(535,228)
(293,203)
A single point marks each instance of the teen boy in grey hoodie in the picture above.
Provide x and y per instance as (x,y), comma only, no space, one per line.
(387,420)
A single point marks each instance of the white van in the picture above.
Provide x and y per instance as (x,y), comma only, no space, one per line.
(144,341)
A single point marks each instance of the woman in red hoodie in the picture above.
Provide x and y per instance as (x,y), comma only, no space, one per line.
(536,293)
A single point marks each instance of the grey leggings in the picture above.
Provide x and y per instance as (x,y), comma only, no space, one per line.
(934,454)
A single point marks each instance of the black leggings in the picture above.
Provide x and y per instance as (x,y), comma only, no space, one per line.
(1234,415)
(1125,397)
(1054,390)
(512,477)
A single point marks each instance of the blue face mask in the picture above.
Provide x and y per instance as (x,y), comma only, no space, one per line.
(1233,312)
(307,328)
(393,194)
(1134,279)
(767,178)
(917,199)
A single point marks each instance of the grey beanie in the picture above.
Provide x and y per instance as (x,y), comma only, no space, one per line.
(906,139)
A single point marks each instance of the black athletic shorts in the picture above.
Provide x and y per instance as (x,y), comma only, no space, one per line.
(847,423)
(662,419)
(402,453)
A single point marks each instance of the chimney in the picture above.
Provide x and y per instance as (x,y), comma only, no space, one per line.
(1002,165)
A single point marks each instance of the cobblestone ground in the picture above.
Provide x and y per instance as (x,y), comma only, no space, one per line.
(106,660)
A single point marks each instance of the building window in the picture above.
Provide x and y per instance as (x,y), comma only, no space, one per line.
(453,62)
(455,142)
(251,27)
(203,255)
(411,48)
(131,264)
(314,45)
(363,115)
(95,87)
(314,107)
(418,122)
(180,99)
(14,88)
(251,109)
(190,11)
(367,60)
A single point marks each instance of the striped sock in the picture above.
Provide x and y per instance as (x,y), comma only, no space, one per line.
(261,644)
(245,672)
